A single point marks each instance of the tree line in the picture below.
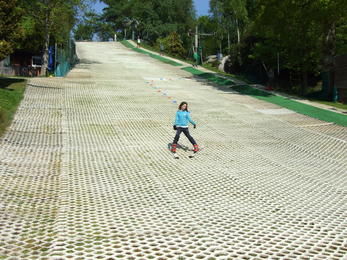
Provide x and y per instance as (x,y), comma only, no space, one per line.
(34,25)
(298,38)
(152,20)
(295,39)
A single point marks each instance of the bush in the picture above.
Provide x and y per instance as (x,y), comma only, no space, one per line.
(172,44)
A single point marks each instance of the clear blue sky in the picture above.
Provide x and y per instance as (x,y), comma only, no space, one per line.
(201,6)
(99,6)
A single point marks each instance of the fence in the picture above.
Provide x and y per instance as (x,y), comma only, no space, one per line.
(66,58)
(341,78)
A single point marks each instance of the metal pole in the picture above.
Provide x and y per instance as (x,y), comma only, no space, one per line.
(229,41)
(278,63)
(196,38)
(201,56)
(55,56)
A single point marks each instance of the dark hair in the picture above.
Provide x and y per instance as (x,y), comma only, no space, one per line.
(183,103)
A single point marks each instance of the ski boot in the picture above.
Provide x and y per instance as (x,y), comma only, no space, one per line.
(196,148)
(173,148)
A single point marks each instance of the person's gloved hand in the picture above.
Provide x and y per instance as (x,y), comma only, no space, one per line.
(194,126)
(174,127)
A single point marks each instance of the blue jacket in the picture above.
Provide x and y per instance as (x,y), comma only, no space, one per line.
(183,118)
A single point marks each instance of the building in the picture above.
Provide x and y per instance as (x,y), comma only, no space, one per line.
(21,63)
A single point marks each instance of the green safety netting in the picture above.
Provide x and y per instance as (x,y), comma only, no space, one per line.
(66,58)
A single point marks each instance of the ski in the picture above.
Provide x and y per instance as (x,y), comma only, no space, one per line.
(193,154)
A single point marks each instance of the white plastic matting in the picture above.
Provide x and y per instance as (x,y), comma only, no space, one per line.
(85,172)
(278,111)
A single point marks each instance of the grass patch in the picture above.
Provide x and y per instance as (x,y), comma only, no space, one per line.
(311,111)
(154,56)
(315,112)
(151,48)
(333,104)
(214,69)
(11,93)
(295,95)
(209,76)
(206,65)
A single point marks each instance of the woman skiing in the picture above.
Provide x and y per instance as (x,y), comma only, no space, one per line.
(181,125)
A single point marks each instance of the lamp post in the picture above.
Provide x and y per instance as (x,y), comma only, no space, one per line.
(198,47)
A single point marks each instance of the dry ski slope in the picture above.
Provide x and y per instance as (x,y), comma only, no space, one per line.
(85,172)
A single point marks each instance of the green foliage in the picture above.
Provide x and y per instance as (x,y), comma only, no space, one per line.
(84,32)
(208,24)
(154,56)
(63,20)
(10,30)
(11,93)
(172,44)
(53,18)
(47,22)
(104,31)
(150,19)
(293,34)
(305,34)
(301,32)
(341,38)
(93,24)
(231,16)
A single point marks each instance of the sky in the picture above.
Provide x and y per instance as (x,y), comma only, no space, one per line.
(201,6)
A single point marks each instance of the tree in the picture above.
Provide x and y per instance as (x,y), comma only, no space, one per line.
(104,31)
(208,25)
(10,29)
(232,17)
(330,13)
(173,44)
(49,21)
(341,37)
(84,32)
(157,18)
(305,37)
(293,35)
(86,29)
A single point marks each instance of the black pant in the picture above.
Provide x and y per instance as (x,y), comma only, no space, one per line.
(187,134)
